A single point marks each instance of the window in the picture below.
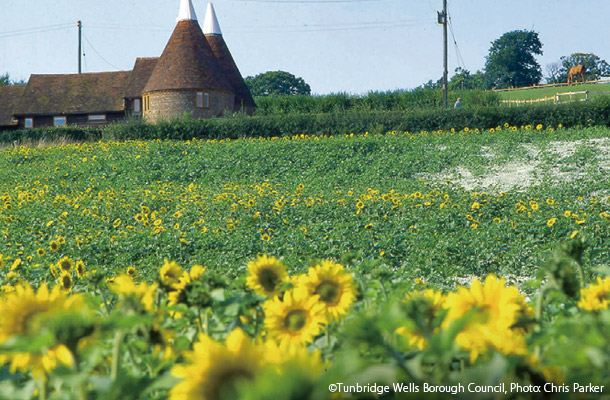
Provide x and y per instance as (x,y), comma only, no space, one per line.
(203,100)
(136,106)
(60,121)
(97,118)
(146,100)
(29,123)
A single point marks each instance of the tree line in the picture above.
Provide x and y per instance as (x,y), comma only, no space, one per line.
(511,62)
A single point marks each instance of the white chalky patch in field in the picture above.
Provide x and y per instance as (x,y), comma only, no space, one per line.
(524,173)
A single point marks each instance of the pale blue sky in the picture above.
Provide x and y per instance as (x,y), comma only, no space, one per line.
(349,46)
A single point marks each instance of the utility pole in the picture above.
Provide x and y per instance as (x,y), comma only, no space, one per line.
(80,44)
(442,20)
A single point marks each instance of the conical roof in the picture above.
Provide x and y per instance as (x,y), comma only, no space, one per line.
(187,62)
(213,35)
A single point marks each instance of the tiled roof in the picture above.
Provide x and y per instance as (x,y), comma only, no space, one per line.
(9,98)
(221,52)
(187,63)
(74,93)
(140,75)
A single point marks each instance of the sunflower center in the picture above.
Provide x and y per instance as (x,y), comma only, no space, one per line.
(66,282)
(328,291)
(295,320)
(65,265)
(224,385)
(268,279)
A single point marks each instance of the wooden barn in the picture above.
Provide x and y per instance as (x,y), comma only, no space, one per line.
(195,74)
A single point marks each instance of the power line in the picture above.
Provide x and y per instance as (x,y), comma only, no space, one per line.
(328,27)
(99,55)
(458,54)
(29,31)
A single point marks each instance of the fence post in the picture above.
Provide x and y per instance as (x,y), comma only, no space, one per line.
(556,98)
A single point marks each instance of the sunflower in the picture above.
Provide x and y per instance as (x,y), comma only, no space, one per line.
(65,264)
(80,269)
(596,296)
(41,252)
(23,313)
(495,314)
(65,282)
(170,273)
(54,245)
(423,309)
(178,292)
(128,290)
(296,319)
(214,370)
(132,271)
(265,275)
(334,286)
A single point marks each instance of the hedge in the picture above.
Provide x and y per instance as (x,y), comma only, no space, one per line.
(591,113)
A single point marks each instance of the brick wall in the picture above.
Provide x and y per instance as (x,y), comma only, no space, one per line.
(172,104)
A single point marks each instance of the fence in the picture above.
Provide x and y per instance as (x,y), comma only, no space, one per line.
(556,98)
(601,81)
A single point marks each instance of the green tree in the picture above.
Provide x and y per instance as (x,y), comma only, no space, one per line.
(463,79)
(6,80)
(277,83)
(596,67)
(511,61)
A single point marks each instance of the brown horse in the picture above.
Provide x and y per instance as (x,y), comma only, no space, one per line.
(575,72)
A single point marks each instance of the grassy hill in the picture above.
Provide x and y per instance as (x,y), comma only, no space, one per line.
(538,92)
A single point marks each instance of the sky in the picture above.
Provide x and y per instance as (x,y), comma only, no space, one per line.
(351,46)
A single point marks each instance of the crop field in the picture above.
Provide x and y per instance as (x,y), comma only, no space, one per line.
(277,268)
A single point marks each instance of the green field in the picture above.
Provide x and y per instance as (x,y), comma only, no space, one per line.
(402,212)
(597,90)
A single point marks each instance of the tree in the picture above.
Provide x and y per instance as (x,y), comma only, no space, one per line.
(596,67)
(511,61)
(278,83)
(463,79)
(6,80)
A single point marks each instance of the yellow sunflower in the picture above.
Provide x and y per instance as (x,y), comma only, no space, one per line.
(498,311)
(65,282)
(80,269)
(23,313)
(213,369)
(54,245)
(334,286)
(127,289)
(170,273)
(266,275)
(427,305)
(596,296)
(65,264)
(296,319)
(186,278)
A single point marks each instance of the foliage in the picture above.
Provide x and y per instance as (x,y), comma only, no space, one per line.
(277,83)
(511,61)
(6,80)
